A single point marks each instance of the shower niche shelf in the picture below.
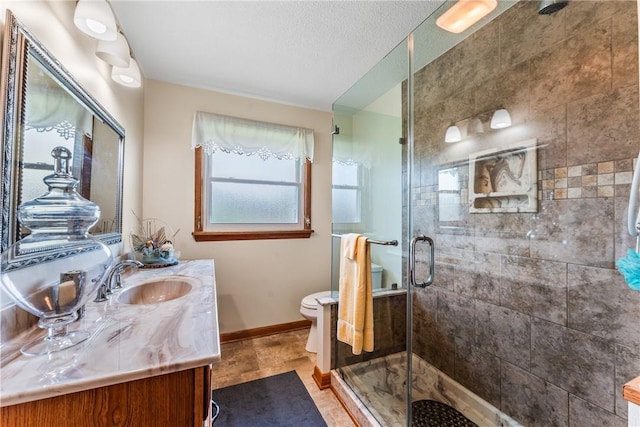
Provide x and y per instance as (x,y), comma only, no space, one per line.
(504,179)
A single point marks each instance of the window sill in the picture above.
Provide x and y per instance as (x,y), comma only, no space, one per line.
(216,236)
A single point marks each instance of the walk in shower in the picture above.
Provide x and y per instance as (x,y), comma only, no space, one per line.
(511,145)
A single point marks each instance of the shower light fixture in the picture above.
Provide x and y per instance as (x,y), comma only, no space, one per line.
(501,119)
(464,14)
(114,52)
(95,18)
(453,134)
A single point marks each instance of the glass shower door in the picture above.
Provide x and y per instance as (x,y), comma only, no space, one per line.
(370,197)
(394,180)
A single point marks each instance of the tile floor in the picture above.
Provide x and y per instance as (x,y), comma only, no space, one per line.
(251,359)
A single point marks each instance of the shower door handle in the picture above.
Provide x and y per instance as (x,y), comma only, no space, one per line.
(412,261)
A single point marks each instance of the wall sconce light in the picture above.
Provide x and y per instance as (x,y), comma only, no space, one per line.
(464,14)
(127,76)
(95,18)
(114,52)
(501,119)
(453,134)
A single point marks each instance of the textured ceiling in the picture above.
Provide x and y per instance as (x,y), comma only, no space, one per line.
(304,53)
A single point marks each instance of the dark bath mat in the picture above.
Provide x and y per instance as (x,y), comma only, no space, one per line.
(429,413)
(278,401)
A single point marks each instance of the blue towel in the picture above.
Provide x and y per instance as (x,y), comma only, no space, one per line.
(629,266)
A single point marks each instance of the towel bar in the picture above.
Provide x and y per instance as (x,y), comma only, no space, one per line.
(375,242)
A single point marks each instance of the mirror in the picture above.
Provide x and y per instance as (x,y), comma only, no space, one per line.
(44,107)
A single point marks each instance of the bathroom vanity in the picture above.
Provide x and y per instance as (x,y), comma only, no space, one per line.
(147,361)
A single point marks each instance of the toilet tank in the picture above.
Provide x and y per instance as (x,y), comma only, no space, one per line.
(376,276)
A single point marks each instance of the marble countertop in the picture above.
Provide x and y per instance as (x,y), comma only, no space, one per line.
(127,342)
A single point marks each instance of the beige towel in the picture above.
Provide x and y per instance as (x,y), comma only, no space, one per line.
(355,306)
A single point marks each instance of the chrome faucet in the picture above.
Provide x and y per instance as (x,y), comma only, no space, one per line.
(106,287)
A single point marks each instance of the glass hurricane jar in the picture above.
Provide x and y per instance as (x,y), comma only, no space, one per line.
(52,272)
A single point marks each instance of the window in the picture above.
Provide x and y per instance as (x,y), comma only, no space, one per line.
(449,195)
(253,179)
(347,193)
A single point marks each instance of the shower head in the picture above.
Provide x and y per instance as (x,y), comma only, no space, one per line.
(547,7)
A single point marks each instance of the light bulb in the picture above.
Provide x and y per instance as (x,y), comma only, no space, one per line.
(96,26)
(464,14)
(127,76)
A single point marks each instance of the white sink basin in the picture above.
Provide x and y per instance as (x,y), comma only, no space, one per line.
(157,291)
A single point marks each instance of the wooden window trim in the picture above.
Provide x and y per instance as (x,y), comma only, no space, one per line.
(200,235)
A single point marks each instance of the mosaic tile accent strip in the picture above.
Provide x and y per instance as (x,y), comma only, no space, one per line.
(592,180)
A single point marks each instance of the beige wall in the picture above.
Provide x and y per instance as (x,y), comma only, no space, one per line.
(52,24)
(260,282)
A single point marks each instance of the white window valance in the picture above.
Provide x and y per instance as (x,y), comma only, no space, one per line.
(215,132)
(49,109)
(348,151)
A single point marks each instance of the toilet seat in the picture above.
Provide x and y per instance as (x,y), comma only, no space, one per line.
(309,302)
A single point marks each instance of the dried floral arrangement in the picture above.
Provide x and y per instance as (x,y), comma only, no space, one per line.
(151,243)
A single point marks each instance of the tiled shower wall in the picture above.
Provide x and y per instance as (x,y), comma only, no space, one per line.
(528,310)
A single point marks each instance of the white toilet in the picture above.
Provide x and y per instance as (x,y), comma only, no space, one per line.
(376,276)
(309,308)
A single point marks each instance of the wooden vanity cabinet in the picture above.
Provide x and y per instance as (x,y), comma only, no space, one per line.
(177,399)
